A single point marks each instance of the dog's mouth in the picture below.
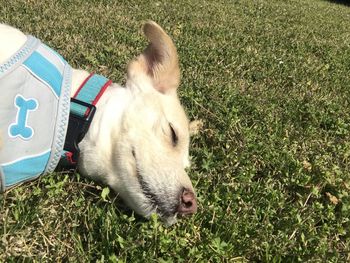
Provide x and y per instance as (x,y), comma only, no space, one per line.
(167,201)
(161,205)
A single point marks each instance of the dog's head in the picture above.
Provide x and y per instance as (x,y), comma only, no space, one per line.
(151,152)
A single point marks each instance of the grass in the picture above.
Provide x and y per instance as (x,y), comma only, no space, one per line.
(269,79)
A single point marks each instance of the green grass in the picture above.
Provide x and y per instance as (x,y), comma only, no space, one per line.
(269,79)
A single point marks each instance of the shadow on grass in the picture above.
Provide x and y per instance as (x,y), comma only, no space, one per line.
(340,2)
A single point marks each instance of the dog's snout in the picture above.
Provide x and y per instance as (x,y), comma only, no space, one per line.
(188,203)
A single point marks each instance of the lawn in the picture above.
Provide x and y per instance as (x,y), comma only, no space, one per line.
(271,82)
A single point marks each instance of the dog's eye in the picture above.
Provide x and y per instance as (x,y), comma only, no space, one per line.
(174,138)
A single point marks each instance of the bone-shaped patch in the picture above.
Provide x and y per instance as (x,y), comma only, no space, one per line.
(20,127)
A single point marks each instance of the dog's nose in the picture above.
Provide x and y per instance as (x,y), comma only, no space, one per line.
(188,203)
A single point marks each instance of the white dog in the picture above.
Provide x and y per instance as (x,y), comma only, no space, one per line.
(138,141)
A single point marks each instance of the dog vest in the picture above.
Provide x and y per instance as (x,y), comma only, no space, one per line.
(35,86)
(40,124)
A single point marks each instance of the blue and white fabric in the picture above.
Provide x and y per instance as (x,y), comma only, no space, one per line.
(35,86)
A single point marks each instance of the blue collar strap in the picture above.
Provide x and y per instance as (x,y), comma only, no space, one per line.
(90,91)
(82,110)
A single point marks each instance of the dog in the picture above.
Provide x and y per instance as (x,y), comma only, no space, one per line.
(138,140)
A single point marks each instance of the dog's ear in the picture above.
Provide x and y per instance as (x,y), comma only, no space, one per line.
(159,60)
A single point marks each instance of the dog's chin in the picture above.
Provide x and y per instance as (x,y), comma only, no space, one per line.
(170,220)
(147,202)
(146,209)
(167,218)
(166,212)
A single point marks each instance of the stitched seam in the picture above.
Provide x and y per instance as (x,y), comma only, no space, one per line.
(62,122)
(24,51)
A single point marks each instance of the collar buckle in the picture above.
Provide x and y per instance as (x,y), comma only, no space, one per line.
(77,128)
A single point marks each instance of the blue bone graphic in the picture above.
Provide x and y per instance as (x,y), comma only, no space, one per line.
(20,128)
